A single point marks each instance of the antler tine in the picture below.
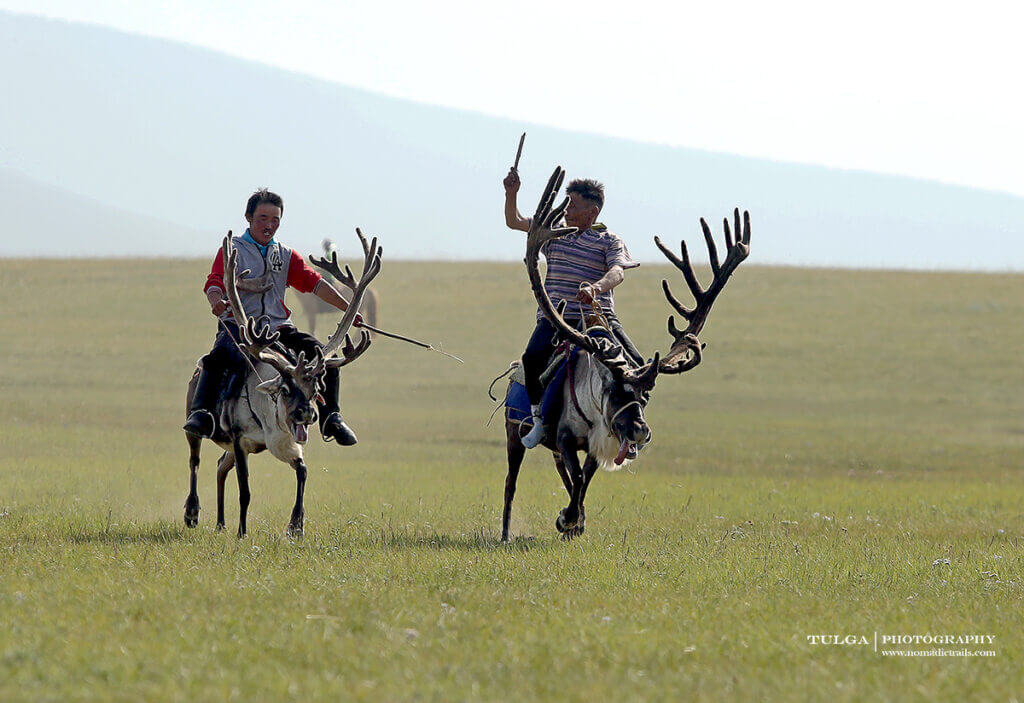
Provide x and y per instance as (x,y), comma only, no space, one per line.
(645,375)
(685,352)
(349,351)
(547,197)
(257,337)
(686,349)
(255,285)
(712,249)
(372,252)
(231,283)
(684,265)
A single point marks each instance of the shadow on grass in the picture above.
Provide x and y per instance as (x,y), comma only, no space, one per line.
(125,534)
(466,543)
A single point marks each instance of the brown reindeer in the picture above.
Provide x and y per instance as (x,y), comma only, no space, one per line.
(604,397)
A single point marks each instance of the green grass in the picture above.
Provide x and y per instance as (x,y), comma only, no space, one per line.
(846,430)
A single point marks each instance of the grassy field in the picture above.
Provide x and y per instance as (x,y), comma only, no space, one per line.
(848,460)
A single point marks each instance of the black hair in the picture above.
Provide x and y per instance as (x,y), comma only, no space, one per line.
(262,196)
(588,189)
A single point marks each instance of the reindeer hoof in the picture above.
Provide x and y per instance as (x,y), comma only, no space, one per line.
(191,512)
(221,527)
(294,531)
(241,533)
(562,524)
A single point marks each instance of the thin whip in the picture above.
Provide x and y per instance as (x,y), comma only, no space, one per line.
(410,340)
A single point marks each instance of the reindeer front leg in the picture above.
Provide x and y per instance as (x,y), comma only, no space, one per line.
(568,516)
(242,471)
(192,501)
(295,525)
(589,469)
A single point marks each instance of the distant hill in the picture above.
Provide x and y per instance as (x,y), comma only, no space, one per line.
(183,135)
(46,221)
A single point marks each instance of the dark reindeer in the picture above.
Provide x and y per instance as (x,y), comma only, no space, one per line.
(603,413)
(277,400)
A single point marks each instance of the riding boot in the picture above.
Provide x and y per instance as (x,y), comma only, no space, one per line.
(201,421)
(332,426)
(536,435)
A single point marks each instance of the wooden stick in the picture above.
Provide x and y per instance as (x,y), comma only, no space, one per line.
(519,152)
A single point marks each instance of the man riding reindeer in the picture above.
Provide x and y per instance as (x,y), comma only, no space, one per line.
(273,267)
(583,269)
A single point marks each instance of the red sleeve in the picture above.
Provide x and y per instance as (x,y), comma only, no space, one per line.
(216,277)
(300,276)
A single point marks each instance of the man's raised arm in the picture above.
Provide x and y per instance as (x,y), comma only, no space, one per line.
(513,219)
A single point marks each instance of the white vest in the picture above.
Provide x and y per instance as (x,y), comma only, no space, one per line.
(270,303)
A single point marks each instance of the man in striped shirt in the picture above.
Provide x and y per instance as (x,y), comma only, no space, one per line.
(582,267)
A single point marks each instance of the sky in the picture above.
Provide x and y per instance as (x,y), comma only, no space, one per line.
(922,89)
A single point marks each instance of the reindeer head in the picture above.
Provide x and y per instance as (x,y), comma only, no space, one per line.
(294,392)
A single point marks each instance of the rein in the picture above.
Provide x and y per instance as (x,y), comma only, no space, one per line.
(572,388)
(619,411)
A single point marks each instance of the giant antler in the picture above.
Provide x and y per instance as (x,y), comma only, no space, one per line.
(371,267)
(686,348)
(254,339)
(542,230)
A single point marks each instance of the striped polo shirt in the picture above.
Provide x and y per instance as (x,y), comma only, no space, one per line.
(583,257)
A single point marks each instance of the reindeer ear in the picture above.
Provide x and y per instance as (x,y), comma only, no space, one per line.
(270,387)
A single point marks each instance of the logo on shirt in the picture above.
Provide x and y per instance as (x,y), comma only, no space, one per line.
(275,260)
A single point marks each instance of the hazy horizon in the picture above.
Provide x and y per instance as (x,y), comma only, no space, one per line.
(154,118)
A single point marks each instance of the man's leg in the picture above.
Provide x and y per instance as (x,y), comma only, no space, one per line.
(627,343)
(535,360)
(332,426)
(224,357)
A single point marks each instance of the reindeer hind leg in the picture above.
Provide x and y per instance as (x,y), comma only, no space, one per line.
(516,451)
(224,466)
(192,500)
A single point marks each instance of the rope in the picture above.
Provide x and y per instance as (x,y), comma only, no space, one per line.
(572,390)
(511,368)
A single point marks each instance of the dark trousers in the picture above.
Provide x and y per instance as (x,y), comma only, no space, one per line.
(541,347)
(225,355)
(536,358)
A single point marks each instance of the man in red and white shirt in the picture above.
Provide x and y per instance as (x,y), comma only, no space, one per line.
(277,267)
